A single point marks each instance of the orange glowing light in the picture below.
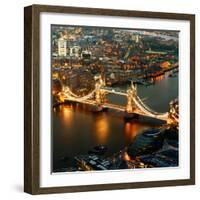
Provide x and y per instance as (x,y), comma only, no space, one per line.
(157,78)
(131,130)
(102,129)
(127,157)
(61,97)
(165,64)
(67,115)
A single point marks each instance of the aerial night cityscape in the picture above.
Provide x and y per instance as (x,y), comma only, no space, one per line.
(114,98)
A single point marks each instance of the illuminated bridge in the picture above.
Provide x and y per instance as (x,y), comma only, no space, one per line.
(134,104)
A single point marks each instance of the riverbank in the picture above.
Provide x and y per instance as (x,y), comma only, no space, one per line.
(171,68)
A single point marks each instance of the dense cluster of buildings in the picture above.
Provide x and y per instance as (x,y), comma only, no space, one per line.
(79,53)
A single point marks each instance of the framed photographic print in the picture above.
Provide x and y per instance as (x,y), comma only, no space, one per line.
(109,99)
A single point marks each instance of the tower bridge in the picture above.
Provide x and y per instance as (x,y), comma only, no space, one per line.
(134,105)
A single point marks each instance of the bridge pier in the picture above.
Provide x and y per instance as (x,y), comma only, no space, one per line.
(97,108)
(131,92)
(130,116)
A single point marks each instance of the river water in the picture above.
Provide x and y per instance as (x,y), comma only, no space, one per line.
(76,129)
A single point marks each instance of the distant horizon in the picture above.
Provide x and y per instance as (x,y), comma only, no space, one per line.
(69,26)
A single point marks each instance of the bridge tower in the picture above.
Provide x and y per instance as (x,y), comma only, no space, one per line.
(131,93)
(99,95)
(173,116)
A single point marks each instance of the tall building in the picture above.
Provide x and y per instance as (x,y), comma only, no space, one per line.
(62,47)
(75,51)
(136,38)
(86,54)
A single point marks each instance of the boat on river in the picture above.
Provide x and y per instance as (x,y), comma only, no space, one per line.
(98,150)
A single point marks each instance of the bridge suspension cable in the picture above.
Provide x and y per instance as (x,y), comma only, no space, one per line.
(71,95)
(144,108)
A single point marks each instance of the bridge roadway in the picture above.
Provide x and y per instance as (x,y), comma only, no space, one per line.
(114,91)
(93,103)
(113,106)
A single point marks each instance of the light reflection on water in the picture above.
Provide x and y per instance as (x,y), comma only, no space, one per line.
(101,128)
(76,130)
(67,114)
(131,129)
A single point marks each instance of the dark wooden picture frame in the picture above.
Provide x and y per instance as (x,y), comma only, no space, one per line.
(32,93)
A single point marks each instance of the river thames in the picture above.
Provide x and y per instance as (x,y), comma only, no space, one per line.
(76,129)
